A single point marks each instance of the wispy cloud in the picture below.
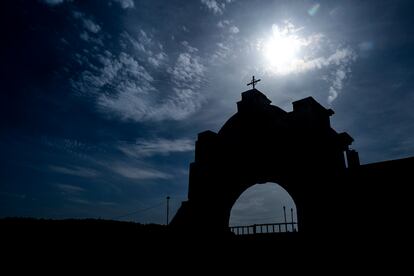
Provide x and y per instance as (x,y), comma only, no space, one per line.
(139,173)
(223,23)
(226,24)
(75,171)
(147,148)
(341,56)
(125,4)
(78,200)
(91,26)
(91,29)
(337,83)
(66,144)
(338,63)
(124,87)
(157,59)
(70,189)
(188,47)
(121,86)
(216,6)
(146,46)
(55,2)
(186,76)
(222,52)
(187,71)
(234,30)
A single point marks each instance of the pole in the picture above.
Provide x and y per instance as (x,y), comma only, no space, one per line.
(168,208)
(284,214)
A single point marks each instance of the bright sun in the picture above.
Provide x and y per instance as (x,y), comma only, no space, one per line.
(282,49)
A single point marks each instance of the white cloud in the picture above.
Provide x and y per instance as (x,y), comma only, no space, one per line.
(339,62)
(55,2)
(158,59)
(234,30)
(80,201)
(69,145)
(130,82)
(223,23)
(339,65)
(143,43)
(84,36)
(70,189)
(341,57)
(139,173)
(138,45)
(91,29)
(90,25)
(182,104)
(221,53)
(129,105)
(122,73)
(188,47)
(124,87)
(336,84)
(75,171)
(146,46)
(147,148)
(216,6)
(132,92)
(87,37)
(125,4)
(188,71)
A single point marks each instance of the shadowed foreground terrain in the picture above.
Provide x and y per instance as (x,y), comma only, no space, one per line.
(69,230)
(75,243)
(94,233)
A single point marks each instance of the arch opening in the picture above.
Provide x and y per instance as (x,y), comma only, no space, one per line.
(264,208)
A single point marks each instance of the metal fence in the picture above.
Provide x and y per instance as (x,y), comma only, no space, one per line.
(281,227)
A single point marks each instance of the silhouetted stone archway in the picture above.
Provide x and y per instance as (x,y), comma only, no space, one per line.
(263,143)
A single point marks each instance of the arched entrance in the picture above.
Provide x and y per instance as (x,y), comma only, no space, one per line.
(263,143)
(264,208)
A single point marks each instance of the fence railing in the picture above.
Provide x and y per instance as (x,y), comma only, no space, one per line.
(265,228)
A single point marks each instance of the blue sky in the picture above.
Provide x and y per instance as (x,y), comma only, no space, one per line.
(101,101)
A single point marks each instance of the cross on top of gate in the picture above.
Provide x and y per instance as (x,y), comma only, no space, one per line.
(253,82)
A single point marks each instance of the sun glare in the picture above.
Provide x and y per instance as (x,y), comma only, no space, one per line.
(281,50)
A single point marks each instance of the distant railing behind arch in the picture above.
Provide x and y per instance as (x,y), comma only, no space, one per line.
(281,227)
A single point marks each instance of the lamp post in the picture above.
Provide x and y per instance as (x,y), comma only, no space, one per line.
(168,208)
